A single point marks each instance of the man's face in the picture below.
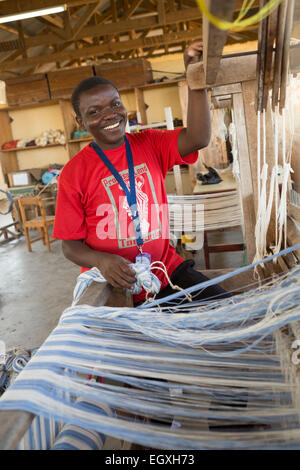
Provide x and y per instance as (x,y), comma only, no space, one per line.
(103,115)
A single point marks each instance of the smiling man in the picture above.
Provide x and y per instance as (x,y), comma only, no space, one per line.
(111,195)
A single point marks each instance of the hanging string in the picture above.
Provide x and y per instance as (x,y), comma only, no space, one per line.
(258,153)
(162,268)
(276,143)
(239,23)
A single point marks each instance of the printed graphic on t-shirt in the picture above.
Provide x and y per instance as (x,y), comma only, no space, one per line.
(118,220)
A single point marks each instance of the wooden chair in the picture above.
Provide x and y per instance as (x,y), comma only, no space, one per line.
(220,248)
(40,221)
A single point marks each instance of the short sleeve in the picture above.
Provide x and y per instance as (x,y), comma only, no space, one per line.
(164,144)
(69,215)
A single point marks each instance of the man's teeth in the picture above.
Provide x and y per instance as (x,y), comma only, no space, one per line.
(112,126)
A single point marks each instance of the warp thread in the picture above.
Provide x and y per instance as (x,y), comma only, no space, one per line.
(155,352)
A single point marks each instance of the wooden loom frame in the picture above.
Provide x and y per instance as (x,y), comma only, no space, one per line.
(234,76)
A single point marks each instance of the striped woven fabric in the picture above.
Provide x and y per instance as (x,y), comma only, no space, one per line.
(195,365)
(173,366)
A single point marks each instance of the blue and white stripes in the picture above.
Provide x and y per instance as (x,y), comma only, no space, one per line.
(157,366)
(193,363)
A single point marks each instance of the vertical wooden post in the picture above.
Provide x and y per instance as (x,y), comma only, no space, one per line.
(8,161)
(214,39)
(248,92)
(246,186)
(140,104)
(176,168)
(183,98)
(69,126)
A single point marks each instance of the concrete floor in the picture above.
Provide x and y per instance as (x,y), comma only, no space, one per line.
(34,290)
(36,287)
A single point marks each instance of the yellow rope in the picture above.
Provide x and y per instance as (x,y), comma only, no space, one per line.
(239,23)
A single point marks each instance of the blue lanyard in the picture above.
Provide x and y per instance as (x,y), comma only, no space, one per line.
(130,195)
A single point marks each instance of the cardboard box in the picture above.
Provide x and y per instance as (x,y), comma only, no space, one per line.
(20,178)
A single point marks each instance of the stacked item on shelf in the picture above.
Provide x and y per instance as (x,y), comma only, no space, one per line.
(49,176)
(79,134)
(51,136)
(47,137)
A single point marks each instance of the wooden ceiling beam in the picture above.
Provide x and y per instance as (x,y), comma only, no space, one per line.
(111,47)
(12,30)
(57,30)
(54,20)
(21,38)
(161,12)
(84,19)
(131,10)
(120,27)
(114,12)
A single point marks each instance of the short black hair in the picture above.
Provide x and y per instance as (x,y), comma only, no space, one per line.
(87,84)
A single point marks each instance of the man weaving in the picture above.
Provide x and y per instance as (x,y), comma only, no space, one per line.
(110,193)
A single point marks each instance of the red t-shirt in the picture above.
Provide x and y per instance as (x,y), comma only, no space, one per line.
(92,206)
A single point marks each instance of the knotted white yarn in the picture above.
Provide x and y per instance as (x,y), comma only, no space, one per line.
(145,279)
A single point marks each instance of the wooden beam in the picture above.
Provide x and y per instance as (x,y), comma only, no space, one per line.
(8,162)
(11,30)
(91,9)
(140,104)
(14,424)
(21,38)
(271,32)
(161,12)
(248,90)
(111,47)
(214,39)
(114,12)
(278,53)
(67,22)
(130,11)
(57,30)
(246,186)
(295,58)
(183,98)
(111,29)
(232,70)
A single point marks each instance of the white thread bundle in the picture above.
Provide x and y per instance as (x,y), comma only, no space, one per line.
(204,211)
(273,195)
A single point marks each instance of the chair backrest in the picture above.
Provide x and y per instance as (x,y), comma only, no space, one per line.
(34,202)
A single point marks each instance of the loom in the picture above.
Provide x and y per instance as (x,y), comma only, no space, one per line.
(205,375)
(219,374)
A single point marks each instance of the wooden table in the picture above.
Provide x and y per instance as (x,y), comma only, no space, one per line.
(228,183)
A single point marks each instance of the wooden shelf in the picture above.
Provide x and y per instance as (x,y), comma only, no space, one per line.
(32,147)
(10,157)
(36,104)
(171,81)
(81,139)
(163,83)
